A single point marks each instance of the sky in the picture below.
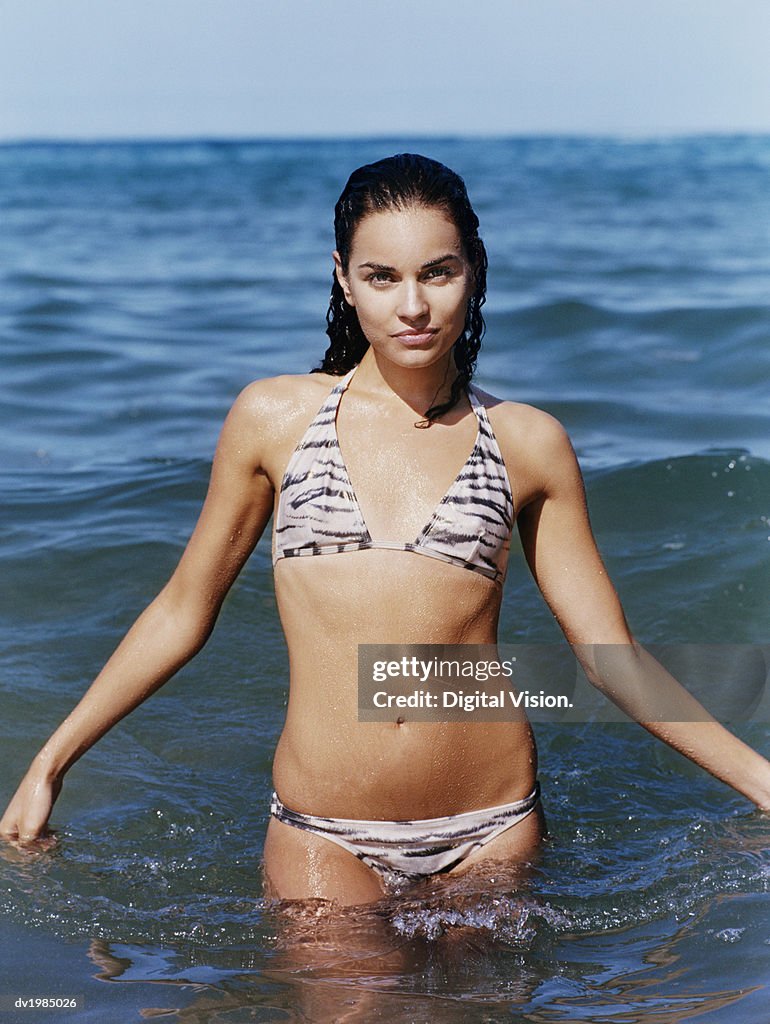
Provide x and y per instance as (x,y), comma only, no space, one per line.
(85,69)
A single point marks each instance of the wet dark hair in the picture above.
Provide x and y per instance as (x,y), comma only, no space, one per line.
(400,183)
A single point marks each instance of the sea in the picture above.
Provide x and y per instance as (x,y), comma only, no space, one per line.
(142,286)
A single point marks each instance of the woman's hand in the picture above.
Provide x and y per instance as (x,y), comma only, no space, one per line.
(26,817)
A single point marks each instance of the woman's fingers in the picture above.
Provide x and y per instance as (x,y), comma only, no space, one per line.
(26,818)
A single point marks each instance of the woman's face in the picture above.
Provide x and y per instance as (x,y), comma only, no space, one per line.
(409,281)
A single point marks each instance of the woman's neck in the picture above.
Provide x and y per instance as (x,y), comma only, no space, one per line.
(418,387)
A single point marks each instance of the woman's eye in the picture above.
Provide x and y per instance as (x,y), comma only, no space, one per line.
(385,277)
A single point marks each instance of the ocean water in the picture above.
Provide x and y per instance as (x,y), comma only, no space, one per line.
(141,287)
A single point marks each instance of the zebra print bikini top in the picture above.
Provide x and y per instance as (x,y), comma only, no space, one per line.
(318,512)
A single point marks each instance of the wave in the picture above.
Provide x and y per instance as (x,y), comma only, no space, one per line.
(568,316)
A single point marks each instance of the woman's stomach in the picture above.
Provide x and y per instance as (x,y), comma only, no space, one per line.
(413,762)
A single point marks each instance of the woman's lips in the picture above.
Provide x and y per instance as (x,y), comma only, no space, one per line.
(416,337)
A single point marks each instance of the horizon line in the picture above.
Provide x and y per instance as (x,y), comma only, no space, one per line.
(634,135)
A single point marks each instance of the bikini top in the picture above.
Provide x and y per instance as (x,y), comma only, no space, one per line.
(318,512)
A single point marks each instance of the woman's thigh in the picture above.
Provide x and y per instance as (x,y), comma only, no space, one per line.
(300,866)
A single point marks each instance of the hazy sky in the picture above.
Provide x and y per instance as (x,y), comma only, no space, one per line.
(127,68)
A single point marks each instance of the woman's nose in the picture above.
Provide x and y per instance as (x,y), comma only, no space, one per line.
(412,303)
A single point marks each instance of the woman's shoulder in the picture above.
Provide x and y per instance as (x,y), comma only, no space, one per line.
(277,402)
(517,422)
(269,416)
(534,444)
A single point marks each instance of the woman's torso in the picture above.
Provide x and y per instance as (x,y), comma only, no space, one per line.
(327,761)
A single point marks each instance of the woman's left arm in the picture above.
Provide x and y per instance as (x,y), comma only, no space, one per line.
(562,555)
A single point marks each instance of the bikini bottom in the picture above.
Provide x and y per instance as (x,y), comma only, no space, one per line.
(405,851)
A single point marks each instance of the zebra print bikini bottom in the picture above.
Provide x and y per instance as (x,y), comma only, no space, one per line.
(405,851)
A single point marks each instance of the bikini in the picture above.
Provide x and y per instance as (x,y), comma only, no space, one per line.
(318,511)
(401,852)
(318,514)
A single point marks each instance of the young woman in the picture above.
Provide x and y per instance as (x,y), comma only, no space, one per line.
(394,486)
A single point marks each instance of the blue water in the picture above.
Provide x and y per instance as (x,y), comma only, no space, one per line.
(141,287)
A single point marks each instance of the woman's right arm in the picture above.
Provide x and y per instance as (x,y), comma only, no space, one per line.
(175,626)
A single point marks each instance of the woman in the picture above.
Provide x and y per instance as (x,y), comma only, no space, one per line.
(390,461)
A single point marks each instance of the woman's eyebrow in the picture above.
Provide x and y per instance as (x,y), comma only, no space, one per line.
(440,259)
(383,267)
